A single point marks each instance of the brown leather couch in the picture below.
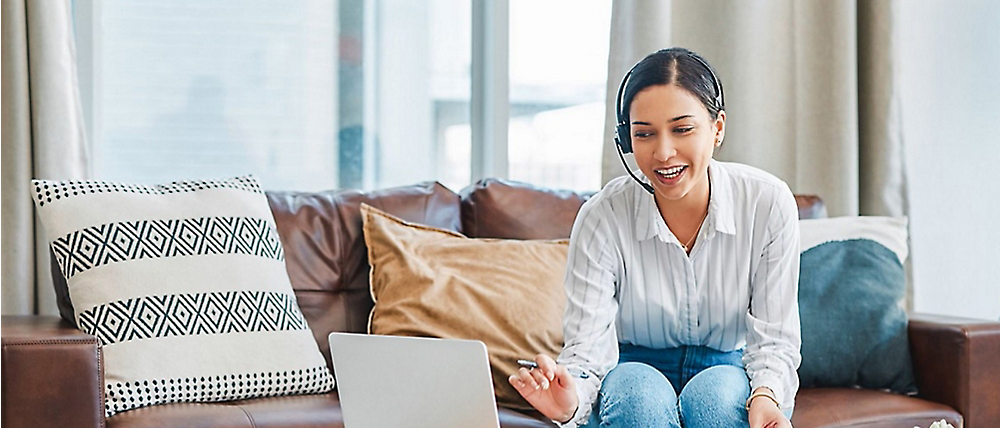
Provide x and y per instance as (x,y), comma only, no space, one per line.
(52,373)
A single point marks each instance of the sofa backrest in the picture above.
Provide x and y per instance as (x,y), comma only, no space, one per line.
(494,208)
(325,252)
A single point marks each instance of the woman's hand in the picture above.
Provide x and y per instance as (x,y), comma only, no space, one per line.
(548,388)
(764,413)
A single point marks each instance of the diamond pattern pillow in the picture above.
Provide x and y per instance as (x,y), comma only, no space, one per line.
(185,287)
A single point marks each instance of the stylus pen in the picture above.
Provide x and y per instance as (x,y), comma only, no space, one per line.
(533,365)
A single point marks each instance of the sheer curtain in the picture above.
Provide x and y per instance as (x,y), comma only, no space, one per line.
(43,137)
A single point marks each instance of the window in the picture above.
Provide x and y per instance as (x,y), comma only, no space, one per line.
(558,74)
(209,89)
(321,94)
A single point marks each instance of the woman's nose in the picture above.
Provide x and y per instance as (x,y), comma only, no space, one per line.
(665,149)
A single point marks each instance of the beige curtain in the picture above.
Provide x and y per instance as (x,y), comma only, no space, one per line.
(811,89)
(43,137)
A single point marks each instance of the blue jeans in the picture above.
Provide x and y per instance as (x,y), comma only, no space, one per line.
(692,385)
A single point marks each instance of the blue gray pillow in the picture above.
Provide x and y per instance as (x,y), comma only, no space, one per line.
(851,285)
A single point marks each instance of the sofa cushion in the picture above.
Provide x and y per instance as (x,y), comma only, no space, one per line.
(857,408)
(301,411)
(184,285)
(851,289)
(437,283)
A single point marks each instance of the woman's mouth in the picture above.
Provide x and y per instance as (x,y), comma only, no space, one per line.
(670,175)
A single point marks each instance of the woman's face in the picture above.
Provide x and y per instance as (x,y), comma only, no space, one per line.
(673,138)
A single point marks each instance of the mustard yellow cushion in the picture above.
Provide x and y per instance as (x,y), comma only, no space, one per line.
(436,283)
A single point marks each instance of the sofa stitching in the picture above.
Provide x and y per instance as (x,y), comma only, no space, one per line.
(245,412)
(100,384)
(3,398)
(81,341)
(964,381)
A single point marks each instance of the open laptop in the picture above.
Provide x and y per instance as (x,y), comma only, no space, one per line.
(413,382)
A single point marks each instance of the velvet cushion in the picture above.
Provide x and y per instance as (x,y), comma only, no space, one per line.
(851,290)
(437,283)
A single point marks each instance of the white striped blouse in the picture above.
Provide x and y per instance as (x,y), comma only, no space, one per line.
(628,280)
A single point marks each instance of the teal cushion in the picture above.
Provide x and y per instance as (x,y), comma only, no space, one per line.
(851,286)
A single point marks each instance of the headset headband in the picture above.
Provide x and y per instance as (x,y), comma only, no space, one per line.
(716,85)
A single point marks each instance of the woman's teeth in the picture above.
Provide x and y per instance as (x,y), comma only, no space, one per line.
(671,172)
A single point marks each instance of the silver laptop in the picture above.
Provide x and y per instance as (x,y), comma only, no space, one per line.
(412,382)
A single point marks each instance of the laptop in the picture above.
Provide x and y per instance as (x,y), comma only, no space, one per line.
(413,382)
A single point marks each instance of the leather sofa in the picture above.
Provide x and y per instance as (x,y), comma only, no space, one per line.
(52,373)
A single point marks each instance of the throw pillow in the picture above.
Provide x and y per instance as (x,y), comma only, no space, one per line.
(436,283)
(184,285)
(851,289)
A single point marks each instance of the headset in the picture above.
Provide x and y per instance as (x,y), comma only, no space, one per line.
(623,137)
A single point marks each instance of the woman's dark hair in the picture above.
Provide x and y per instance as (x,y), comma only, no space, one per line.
(674,66)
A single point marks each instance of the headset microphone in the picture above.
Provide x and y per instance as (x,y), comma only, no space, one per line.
(646,186)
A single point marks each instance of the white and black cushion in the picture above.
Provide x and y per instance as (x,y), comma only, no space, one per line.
(185,287)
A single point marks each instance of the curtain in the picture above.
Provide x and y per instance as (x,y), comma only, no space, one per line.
(43,137)
(811,89)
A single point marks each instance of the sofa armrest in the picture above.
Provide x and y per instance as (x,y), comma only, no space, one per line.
(957,362)
(52,374)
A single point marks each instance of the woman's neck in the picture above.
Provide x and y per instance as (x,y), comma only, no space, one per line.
(690,208)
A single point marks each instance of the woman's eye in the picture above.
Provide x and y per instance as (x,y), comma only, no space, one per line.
(642,134)
(683,130)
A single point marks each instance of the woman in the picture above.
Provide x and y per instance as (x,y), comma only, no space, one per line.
(681,306)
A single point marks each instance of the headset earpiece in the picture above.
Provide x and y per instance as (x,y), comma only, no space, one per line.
(622,130)
(622,137)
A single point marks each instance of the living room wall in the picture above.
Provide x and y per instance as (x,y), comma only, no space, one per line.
(950,54)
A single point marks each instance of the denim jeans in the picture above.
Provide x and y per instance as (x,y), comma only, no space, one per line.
(690,386)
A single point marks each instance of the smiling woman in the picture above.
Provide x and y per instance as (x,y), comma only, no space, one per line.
(682,285)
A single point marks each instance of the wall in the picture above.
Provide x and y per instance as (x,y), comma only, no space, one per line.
(950,89)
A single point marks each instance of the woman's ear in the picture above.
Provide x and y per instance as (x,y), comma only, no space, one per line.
(720,128)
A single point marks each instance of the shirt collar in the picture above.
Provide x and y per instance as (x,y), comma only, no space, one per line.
(720,208)
(720,204)
(647,216)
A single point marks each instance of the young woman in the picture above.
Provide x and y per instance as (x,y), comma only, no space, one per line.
(681,287)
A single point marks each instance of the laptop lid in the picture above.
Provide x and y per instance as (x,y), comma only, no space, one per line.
(395,381)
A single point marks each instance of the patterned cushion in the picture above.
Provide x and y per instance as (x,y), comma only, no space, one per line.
(184,285)
(851,288)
